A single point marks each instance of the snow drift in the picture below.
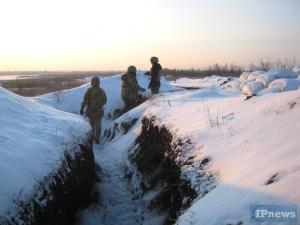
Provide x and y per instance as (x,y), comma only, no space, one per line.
(39,157)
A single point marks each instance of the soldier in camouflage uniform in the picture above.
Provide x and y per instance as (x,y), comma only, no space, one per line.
(94,99)
(130,89)
(155,75)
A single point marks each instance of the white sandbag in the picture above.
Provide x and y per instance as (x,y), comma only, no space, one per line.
(252,76)
(266,78)
(297,70)
(283,73)
(235,84)
(253,88)
(244,76)
(286,84)
(243,84)
(269,90)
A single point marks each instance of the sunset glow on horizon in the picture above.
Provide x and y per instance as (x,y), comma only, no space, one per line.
(110,35)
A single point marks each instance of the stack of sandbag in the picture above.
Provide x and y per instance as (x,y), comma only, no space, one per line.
(286,84)
(259,82)
(252,76)
(272,75)
(244,76)
(266,78)
(270,90)
(252,88)
(297,70)
(248,84)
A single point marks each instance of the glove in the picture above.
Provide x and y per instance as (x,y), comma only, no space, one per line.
(81,111)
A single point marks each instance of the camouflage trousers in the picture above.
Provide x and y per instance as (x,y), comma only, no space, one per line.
(129,104)
(155,85)
(95,123)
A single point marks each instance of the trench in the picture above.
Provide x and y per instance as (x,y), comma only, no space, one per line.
(61,194)
(155,159)
(138,184)
(141,183)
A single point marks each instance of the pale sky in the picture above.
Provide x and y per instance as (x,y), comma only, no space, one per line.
(113,34)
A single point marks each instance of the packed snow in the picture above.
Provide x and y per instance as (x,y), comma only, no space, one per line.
(33,139)
(247,141)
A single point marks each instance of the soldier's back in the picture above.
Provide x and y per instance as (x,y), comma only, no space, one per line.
(97,100)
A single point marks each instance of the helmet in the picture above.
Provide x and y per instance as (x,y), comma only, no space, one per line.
(131,69)
(95,81)
(154,59)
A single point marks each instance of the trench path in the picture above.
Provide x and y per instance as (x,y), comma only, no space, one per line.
(118,205)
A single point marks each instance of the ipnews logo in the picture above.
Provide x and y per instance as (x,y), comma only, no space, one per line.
(274,213)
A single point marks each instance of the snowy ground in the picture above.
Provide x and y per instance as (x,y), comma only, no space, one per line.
(33,140)
(249,143)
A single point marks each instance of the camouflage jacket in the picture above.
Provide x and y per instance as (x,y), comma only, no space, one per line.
(155,72)
(130,87)
(94,98)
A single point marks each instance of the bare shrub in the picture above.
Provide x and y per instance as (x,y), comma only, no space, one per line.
(285,63)
(58,96)
(216,69)
(266,63)
(213,120)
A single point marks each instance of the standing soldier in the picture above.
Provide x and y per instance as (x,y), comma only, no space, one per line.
(94,99)
(130,89)
(155,75)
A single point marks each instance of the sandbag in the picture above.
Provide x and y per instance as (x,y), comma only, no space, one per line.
(244,76)
(252,76)
(270,90)
(266,78)
(286,84)
(235,84)
(243,84)
(252,88)
(297,70)
(283,73)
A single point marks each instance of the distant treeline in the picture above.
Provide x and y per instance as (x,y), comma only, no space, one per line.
(263,64)
(217,69)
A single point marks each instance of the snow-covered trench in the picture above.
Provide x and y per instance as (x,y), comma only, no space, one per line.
(216,129)
(125,194)
(141,182)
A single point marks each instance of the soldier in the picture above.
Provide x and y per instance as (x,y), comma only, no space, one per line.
(130,89)
(155,75)
(94,99)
